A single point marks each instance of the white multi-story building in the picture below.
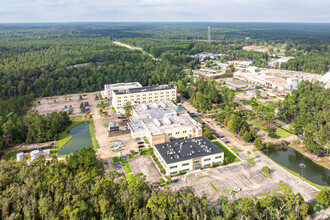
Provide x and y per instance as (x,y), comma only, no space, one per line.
(162,122)
(142,95)
(108,88)
(188,155)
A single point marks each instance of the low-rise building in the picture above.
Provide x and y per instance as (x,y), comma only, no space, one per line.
(188,155)
(292,83)
(143,95)
(161,122)
(113,127)
(108,88)
(238,84)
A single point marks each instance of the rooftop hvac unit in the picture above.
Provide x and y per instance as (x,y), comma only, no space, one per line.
(20,156)
(34,154)
(155,105)
(167,121)
(157,123)
(144,107)
(162,104)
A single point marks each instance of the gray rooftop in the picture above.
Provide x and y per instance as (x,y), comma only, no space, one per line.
(187,149)
(144,89)
(237,83)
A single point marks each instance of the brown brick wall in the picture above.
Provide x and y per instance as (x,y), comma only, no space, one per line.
(158,139)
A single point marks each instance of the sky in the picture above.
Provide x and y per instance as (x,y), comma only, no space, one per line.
(30,11)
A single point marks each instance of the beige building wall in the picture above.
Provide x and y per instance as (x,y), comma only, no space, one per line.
(120,100)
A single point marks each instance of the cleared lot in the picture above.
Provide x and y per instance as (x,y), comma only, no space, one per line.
(146,166)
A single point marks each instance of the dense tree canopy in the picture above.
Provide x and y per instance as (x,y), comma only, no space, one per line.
(76,190)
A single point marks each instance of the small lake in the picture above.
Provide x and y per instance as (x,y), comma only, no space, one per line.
(81,138)
(290,158)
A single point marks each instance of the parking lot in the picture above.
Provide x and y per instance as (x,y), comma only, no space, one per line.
(146,166)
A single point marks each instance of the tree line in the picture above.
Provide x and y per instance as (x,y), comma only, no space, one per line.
(81,189)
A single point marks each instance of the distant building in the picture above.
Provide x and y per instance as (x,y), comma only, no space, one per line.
(204,55)
(238,84)
(223,65)
(187,155)
(143,95)
(252,69)
(278,62)
(292,83)
(108,88)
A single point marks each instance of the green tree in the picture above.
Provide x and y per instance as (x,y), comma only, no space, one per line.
(128,109)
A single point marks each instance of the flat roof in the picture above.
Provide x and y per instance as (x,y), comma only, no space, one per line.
(187,149)
(144,89)
(237,83)
(121,85)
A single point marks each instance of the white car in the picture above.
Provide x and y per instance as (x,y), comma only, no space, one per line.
(237,189)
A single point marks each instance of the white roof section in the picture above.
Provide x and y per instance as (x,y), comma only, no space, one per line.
(122,85)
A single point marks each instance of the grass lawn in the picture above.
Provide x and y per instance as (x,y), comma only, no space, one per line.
(118,150)
(130,178)
(165,184)
(126,168)
(250,162)
(215,189)
(234,150)
(115,160)
(145,152)
(106,125)
(279,131)
(146,141)
(91,130)
(11,155)
(105,104)
(228,153)
(114,110)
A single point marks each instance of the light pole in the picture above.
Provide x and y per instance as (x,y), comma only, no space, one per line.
(302,166)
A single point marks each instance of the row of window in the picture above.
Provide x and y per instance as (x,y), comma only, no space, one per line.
(150,94)
(175,172)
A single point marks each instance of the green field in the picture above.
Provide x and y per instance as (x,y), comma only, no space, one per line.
(127,168)
(279,131)
(105,104)
(227,152)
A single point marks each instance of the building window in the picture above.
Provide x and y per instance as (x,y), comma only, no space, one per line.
(218,162)
(185,164)
(169,134)
(173,167)
(218,157)
(196,162)
(174,173)
(207,165)
(208,159)
(185,170)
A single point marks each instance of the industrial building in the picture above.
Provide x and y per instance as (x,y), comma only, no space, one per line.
(188,155)
(142,95)
(108,88)
(113,126)
(162,122)
(238,84)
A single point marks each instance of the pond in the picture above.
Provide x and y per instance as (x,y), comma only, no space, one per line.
(81,138)
(290,158)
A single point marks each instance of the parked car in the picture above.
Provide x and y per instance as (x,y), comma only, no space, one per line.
(222,126)
(223,138)
(237,189)
(140,146)
(140,142)
(227,142)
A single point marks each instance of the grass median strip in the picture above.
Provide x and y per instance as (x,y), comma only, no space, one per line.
(215,189)
(228,153)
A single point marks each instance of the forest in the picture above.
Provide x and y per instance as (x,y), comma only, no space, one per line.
(77,190)
(308,110)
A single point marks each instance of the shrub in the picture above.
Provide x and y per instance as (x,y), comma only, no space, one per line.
(273,135)
(323,197)
(161,180)
(132,152)
(266,169)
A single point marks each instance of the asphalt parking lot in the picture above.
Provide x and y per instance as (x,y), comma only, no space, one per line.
(146,166)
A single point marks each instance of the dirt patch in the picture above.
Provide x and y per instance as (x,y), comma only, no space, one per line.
(256,48)
(146,166)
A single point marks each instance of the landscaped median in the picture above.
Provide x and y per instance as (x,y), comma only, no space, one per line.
(215,189)
(232,157)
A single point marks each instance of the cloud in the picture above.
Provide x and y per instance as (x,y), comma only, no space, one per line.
(164,10)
